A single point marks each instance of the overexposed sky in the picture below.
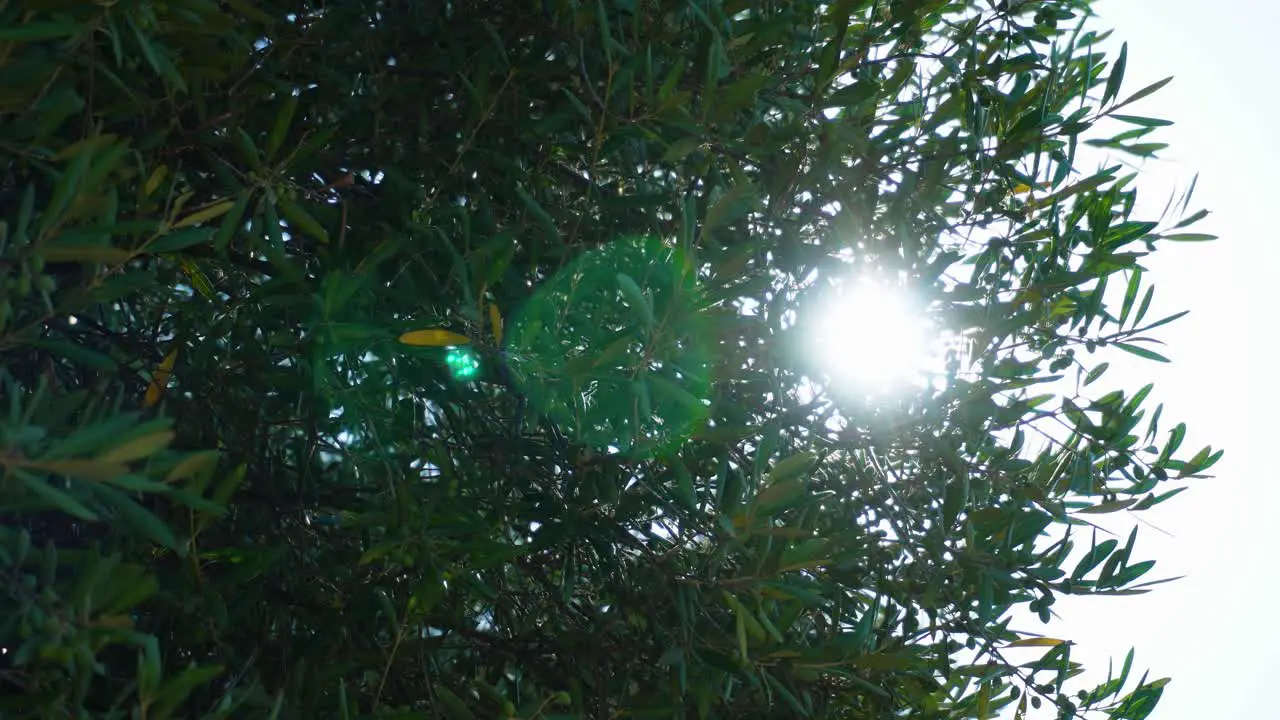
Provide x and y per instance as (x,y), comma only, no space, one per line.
(1209,631)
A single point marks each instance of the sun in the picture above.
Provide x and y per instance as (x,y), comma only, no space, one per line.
(871,336)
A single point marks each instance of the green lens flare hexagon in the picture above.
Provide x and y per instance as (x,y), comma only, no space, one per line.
(462,362)
(613,348)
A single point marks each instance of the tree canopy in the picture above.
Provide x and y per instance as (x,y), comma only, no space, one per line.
(416,360)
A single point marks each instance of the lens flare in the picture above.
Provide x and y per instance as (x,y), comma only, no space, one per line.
(463,363)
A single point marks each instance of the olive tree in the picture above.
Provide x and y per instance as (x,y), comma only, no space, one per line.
(381,359)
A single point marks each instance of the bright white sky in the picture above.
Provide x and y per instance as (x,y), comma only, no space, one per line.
(1211,631)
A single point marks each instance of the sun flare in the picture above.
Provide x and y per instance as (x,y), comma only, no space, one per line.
(872,336)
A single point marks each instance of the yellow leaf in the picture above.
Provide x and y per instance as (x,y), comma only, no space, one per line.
(160,379)
(115,622)
(193,465)
(138,447)
(1035,642)
(153,182)
(434,337)
(495,320)
(792,466)
(205,214)
(179,204)
(101,469)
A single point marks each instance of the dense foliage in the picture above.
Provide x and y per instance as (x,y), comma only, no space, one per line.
(244,476)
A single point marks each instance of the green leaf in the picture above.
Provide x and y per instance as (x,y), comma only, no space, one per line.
(64,190)
(852,95)
(280,128)
(737,201)
(1144,305)
(144,44)
(246,148)
(783,692)
(302,220)
(78,353)
(539,213)
(739,95)
(680,149)
(1192,219)
(93,437)
(794,590)
(685,488)
(183,239)
(954,500)
(55,497)
(792,467)
(1144,149)
(1152,500)
(1130,295)
(388,611)
(1096,373)
(199,281)
(1108,507)
(1131,573)
(1165,321)
(1117,75)
(1202,461)
(1141,352)
(728,488)
(674,393)
(1144,92)
(1142,121)
(636,299)
(99,470)
(454,707)
(1093,558)
(137,518)
(232,221)
(606,36)
(779,495)
(26,206)
(175,691)
(38,31)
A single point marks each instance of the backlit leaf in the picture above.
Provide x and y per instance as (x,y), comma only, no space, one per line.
(205,214)
(434,337)
(1035,642)
(139,448)
(160,379)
